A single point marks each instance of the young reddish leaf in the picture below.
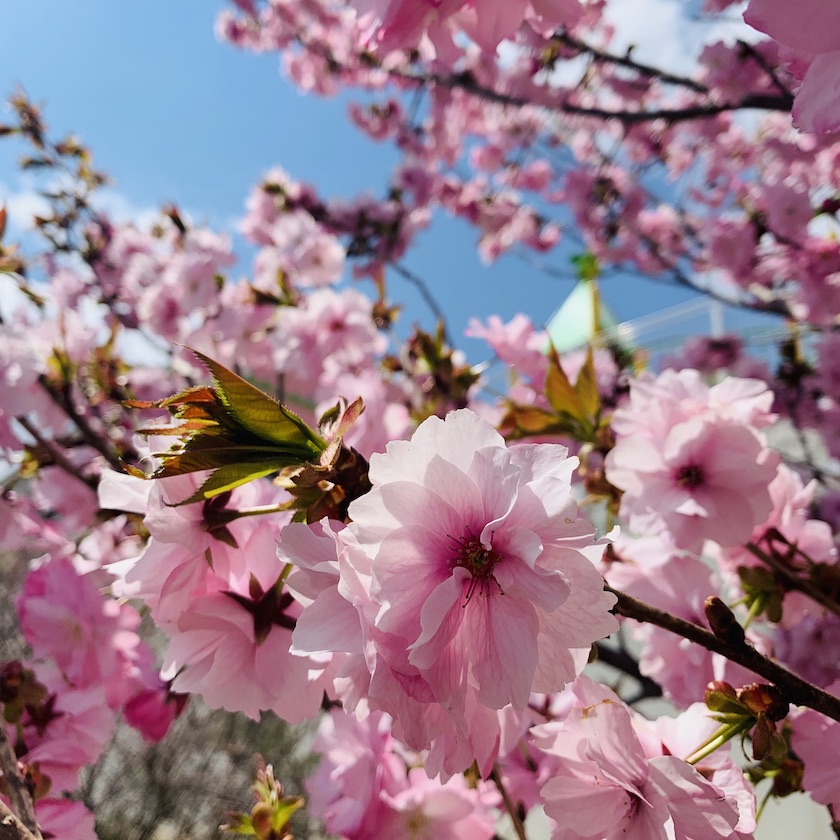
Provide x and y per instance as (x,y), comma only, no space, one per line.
(560,393)
(586,388)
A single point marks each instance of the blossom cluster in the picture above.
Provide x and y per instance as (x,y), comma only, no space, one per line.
(439,576)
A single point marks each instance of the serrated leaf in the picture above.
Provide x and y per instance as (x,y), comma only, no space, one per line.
(182,462)
(528,420)
(229,477)
(260,413)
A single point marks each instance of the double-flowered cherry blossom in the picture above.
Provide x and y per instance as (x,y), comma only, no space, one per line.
(691,459)
(616,780)
(472,578)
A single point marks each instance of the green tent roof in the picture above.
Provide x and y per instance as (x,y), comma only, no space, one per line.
(580,318)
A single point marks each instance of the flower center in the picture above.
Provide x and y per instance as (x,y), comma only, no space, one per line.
(690,475)
(479,561)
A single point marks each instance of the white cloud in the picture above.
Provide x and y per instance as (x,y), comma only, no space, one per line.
(21,205)
(671,33)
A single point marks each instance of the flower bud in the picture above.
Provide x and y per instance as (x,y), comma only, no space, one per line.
(723,622)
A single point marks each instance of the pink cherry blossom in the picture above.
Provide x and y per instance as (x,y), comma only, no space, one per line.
(691,460)
(74,738)
(359,764)
(606,787)
(64,819)
(92,639)
(816,740)
(481,587)
(811,28)
(707,481)
(239,634)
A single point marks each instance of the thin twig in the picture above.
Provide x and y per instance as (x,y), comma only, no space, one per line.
(11,828)
(16,788)
(426,294)
(622,661)
(794,688)
(64,400)
(794,581)
(510,807)
(59,458)
(700,110)
(626,61)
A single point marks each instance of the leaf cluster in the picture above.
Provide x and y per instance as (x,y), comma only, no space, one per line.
(232,428)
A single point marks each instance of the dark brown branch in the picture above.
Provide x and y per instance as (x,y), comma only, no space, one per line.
(625,61)
(466,81)
(622,661)
(761,61)
(64,400)
(55,452)
(701,110)
(794,581)
(11,828)
(510,807)
(18,793)
(794,688)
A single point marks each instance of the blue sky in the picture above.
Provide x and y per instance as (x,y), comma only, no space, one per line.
(175,116)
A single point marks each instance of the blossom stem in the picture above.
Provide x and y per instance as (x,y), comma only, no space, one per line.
(719,738)
(259,511)
(793,580)
(510,807)
(794,689)
(764,800)
(755,609)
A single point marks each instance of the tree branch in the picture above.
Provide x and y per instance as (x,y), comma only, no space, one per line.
(794,581)
(425,293)
(622,661)
(18,794)
(64,400)
(625,61)
(55,452)
(11,828)
(700,110)
(794,688)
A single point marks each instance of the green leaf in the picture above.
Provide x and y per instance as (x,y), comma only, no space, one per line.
(261,414)
(229,477)
(283,811)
